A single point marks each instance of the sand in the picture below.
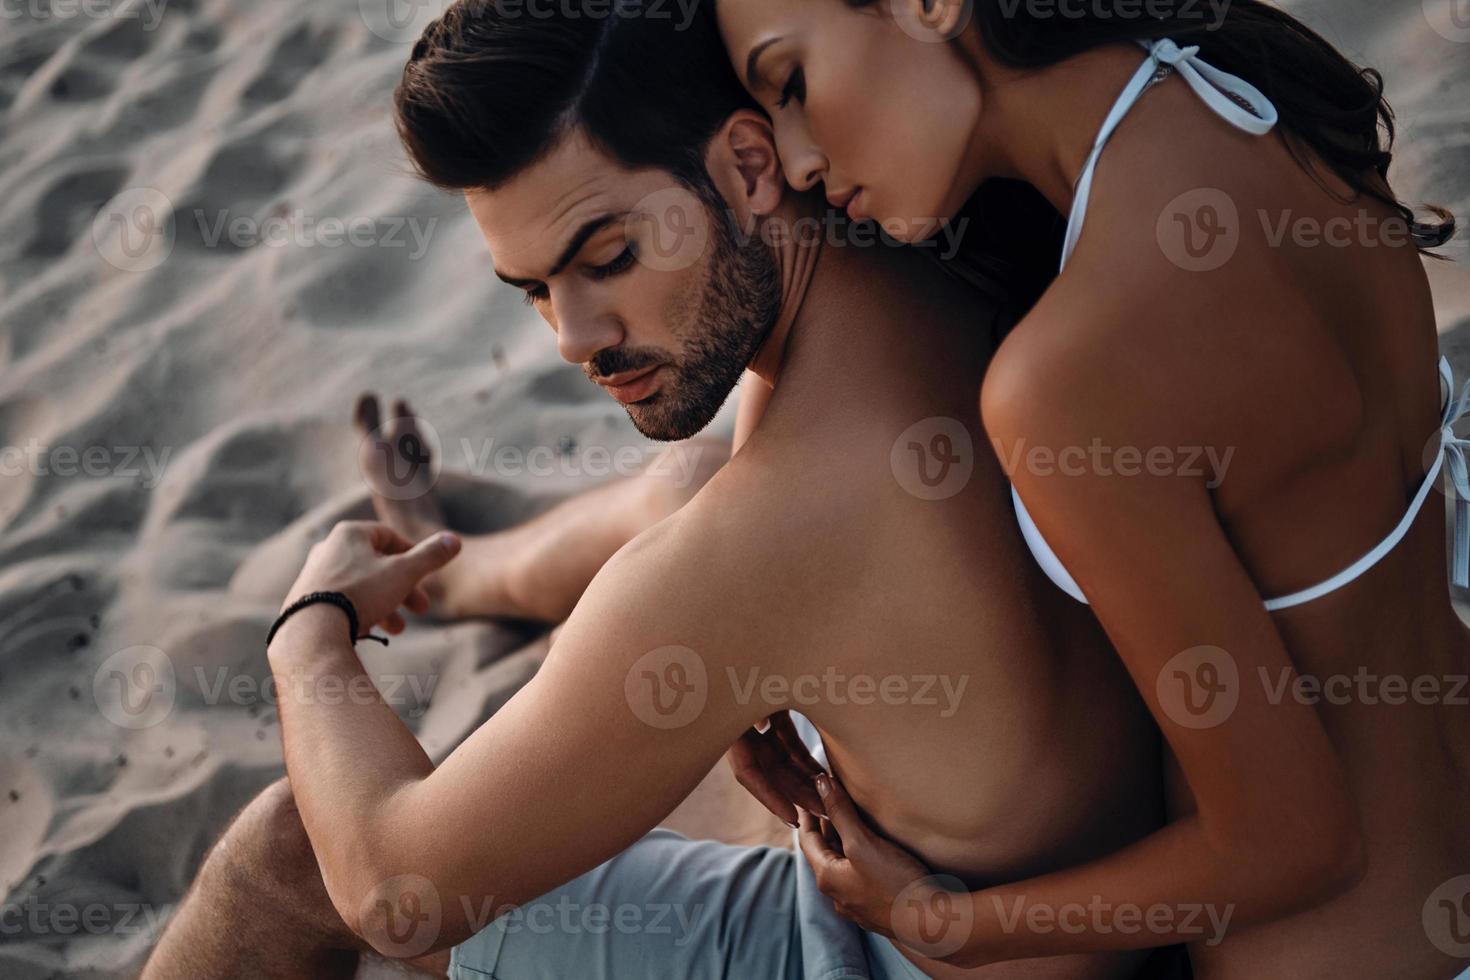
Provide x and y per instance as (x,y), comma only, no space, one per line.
(174,412)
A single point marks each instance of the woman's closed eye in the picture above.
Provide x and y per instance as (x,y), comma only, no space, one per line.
(795,88)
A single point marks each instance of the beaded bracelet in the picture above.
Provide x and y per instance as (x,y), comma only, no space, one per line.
(332,598)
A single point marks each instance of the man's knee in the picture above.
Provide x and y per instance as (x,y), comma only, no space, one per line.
(265,852)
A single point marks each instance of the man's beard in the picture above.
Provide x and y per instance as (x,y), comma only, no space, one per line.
(738,306)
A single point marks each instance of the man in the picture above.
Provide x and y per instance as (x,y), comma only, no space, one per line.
(856,559)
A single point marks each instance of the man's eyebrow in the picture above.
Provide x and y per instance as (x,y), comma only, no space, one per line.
(755,56)
(574,246)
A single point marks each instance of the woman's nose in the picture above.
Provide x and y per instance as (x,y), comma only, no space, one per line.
(804,163)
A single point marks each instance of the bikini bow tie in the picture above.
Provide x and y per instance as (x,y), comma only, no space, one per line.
(1457,462)
(1167,52)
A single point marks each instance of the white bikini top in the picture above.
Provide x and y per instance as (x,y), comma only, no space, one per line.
(1245,107)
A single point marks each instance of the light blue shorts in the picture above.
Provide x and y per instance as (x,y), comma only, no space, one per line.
(686,910)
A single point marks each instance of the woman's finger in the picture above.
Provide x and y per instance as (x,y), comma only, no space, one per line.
(785,731)
(830,868)
(843,813)
(749,766)
(793,783)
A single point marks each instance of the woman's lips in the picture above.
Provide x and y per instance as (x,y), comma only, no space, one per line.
(636,387)
(854,213)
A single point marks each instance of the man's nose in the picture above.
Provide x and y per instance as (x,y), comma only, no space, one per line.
(583,328)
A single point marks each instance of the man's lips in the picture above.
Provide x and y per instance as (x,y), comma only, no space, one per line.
(632,386)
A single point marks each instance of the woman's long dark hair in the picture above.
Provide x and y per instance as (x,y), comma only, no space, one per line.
(1332,112)
(1331,109)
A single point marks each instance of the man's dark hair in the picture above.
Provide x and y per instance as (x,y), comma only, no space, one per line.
(493,85)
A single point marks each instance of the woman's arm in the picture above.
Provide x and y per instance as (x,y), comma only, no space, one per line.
(1276,829)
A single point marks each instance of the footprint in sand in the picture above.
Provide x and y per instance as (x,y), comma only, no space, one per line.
(301,53)
(68,207)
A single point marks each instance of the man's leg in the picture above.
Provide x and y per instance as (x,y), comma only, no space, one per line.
(667,908)
(539,569)
(258,908)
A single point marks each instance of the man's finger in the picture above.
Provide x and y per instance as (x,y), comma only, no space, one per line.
(385,540)
(431,554)
(417,601)
(394,624)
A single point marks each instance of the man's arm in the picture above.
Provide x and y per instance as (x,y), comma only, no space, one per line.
(628,713)
(539,569)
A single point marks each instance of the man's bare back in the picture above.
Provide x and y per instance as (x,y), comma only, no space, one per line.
(893,603)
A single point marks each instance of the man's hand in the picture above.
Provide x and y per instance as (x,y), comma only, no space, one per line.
(775,767)
(375,568)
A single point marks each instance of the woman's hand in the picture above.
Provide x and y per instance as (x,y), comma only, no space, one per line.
(881,887)
(775,767)
(376,569)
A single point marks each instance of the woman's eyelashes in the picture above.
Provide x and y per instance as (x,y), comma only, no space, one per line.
(795,88)
(539,292)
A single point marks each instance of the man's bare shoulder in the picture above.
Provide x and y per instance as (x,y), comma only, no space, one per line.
(718,564)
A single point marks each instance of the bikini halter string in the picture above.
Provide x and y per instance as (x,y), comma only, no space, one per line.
(1231,98)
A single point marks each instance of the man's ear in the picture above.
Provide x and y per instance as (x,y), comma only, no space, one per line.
(933,20)
(744,151)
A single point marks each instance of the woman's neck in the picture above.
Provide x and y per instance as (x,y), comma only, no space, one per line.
(1073,97)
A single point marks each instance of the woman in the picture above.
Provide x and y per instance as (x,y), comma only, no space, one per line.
(1273,608)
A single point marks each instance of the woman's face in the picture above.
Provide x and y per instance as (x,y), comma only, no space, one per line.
(879,116)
